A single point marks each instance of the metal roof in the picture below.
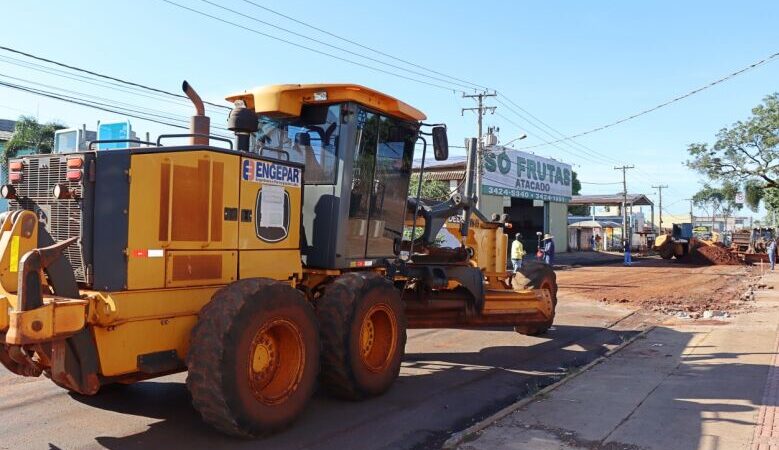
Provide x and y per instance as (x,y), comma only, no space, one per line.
(610,200)
(454,162)
(445,175)
(286,100)
(451,169)
(7,125)
(6,129)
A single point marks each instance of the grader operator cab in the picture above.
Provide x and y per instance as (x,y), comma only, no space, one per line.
(257,269)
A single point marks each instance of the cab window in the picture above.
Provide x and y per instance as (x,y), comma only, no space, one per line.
(311,139)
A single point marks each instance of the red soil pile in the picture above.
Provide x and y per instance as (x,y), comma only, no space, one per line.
(711,255)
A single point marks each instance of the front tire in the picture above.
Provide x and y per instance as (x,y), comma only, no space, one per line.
(253,358)
(363,333)
(539,276)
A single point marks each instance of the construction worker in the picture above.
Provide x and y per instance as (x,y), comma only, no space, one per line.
(548,250)
(517,252)
(771,250)
(626,249)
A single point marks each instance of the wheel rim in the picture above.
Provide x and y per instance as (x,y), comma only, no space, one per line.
(378,337)
(276,363)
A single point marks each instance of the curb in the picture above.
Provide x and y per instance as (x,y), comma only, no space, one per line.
(459,437)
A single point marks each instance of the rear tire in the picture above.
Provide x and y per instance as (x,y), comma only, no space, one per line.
(253,358)
(666,251)
(363,334)
(539,276)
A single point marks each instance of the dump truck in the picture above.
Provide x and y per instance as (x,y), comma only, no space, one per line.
(676,244)
(294,257)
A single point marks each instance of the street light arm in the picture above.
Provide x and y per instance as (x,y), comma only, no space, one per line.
(524,135)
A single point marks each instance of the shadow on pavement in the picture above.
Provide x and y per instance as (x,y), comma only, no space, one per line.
(437,393)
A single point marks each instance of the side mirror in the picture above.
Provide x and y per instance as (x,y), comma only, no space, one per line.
(440,144)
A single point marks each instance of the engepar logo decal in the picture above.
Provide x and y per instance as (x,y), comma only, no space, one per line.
(271,173)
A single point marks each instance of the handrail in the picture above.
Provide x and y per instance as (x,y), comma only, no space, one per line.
(209,136)
(115,141)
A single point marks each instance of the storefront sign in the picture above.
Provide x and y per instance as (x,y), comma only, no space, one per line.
(518,174)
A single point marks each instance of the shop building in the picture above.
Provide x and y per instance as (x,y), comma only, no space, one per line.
(533,191)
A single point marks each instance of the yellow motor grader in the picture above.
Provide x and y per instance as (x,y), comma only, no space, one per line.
(294,256)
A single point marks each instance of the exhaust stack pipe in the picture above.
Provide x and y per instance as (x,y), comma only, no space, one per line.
(200,124)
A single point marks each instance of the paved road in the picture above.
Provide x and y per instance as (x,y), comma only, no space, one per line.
(450,378)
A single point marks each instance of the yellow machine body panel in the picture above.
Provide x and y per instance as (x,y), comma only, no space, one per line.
(275,264)
(5,305)
(200,268)
(488,242)
(119,347)
(193,213)
(178,202)
(270,213)
(16,238)
(198,219)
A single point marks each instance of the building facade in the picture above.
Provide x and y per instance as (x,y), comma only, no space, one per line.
(722,224)
(533,191)
(6,131)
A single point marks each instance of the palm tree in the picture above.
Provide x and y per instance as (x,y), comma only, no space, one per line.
(29,134)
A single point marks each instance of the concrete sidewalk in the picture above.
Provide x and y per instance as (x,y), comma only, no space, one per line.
(687,385)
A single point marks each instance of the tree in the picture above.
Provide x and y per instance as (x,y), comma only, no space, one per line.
(721,201)
(746,153)
(431,189)
(576,188)
(29,134)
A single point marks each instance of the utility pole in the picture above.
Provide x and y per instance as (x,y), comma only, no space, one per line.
(480,111)
(626,234)
(692,218)
(660,193)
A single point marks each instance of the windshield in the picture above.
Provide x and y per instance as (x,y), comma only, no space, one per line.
(311,139)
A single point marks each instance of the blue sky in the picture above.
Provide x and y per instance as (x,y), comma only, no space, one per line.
(575,65)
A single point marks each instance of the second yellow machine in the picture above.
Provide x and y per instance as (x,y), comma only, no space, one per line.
(295,256)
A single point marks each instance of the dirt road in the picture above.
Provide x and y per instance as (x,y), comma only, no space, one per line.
(660,285)
(450,379)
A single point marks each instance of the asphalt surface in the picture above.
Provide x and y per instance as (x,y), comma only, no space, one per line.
(450,379)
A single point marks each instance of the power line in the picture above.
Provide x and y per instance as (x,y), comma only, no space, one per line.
(579,147)
(108,77)
(130,107)
(311,49)
(300,22)
(660,188)
(600,184)
(571,153)
(101,83)
(647,178)
(557,133)
(345,50)
(92,105)
(43,93)
(576,153)
(669,102)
